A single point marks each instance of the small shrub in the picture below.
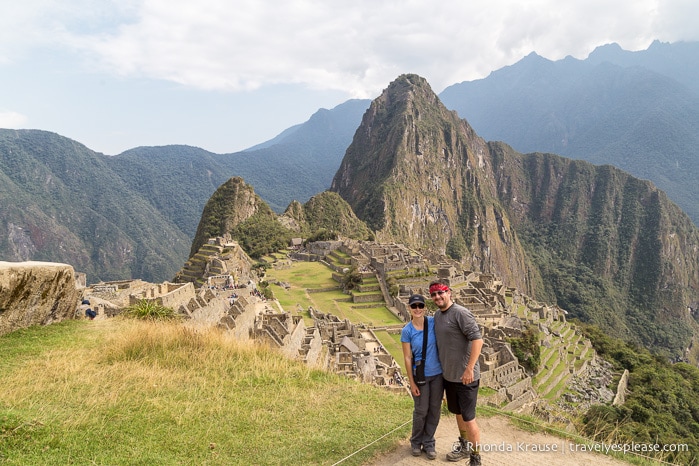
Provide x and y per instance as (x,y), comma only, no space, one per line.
(351,279)
(149,310)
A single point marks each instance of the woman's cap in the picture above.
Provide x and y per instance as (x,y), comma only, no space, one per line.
(416,298)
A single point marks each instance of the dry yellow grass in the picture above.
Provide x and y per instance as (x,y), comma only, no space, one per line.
(131,392)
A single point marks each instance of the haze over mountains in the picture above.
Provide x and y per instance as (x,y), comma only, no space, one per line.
(638,111)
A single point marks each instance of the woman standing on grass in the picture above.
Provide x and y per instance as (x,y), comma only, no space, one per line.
(427,397)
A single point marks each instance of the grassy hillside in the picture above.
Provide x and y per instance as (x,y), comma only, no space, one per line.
(122,392)
(662,403)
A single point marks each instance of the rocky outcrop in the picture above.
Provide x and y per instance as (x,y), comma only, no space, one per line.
(36,293)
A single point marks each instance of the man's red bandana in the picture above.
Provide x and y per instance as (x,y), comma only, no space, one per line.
(438,287)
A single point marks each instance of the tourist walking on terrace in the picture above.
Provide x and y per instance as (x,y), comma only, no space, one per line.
(459,343)
(425,375)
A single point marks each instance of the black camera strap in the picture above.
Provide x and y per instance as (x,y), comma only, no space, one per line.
(424,341)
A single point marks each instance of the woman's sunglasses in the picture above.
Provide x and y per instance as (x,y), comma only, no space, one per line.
(417,306)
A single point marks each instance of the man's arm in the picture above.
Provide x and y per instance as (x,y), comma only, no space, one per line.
(476,346)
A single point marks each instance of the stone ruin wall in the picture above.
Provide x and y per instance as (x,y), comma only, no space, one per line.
(240,318)
(311,350)
(166,294)
(286,332)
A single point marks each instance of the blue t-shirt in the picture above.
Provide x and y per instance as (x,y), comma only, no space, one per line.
(411,335)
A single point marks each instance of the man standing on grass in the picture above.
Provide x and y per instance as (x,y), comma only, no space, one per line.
(459,343)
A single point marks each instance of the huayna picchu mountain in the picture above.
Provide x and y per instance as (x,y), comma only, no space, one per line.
(607,247)
(417,174)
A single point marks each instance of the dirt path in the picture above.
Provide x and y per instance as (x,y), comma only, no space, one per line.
(504,444)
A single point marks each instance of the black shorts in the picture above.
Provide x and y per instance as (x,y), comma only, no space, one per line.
(461,399)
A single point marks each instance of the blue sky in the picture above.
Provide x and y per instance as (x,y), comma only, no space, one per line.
(225,75)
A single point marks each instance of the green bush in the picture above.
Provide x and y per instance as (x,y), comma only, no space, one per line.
(527,349)
(322,235)
(261,234)
(150,310)
(351,279)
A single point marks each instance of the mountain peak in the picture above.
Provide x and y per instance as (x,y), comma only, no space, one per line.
(408,81)
(419,175)
(608,52)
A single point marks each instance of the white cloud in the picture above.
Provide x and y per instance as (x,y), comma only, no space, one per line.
(29,24)
(12,120)
(678,18)
(151,70)
(356,47)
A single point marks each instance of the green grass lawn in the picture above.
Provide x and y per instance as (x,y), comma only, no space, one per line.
(393,345)
(302,276)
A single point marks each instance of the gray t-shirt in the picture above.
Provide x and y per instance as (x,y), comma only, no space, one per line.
(455,328)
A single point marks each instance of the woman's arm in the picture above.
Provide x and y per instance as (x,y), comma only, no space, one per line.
(408,359)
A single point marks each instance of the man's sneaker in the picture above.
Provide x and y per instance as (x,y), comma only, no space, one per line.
(431,454)
(416,451)
(459,451)
(475,459)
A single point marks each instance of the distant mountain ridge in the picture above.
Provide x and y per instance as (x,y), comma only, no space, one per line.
(679,60)
(638,111)
(295,165)
(133,215)
(62,203)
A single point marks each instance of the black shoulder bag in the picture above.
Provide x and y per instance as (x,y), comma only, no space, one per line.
(419,374)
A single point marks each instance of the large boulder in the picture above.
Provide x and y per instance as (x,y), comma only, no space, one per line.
(36,293)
